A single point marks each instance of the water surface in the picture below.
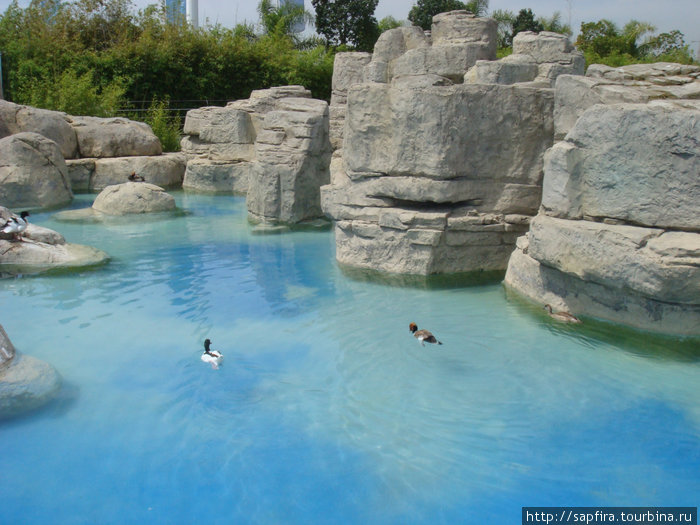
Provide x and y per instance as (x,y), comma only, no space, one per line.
(326,410)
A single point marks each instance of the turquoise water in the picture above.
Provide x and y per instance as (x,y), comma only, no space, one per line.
(325,410)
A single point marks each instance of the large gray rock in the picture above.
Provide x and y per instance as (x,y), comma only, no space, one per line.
(165,170)
(33,172)
(293,154)
(7,350)
(544,284)
(466,131)
(133,197)
(638,83)
(220,142)
(44,249)
(512,69)
(347,70)
(26,384)
(539,58)
(618,233)
(637,163)
(114,137)
(228,133)
(650,262)
(211,176)
(437,176)
(53,125)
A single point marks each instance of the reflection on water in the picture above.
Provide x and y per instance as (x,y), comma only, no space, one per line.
(325,409)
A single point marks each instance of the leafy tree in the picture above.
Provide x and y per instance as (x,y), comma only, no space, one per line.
(478,7)
(667,47)
(555,24)
(347,22)
(505,20)
(525,21)
(281,20)
(604,42)
(422,13)
(388,22)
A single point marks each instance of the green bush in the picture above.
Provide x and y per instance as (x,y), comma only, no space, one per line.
(72,92)
(165,126)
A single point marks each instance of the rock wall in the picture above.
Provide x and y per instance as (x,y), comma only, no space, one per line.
(88,154)
(274,147)
(441,167)
(618,233)
(33,173)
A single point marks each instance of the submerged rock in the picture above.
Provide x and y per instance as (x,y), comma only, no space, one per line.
(26,383)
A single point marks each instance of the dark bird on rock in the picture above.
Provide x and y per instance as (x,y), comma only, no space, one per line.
(136,178)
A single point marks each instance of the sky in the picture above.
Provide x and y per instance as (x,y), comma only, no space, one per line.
(683,15)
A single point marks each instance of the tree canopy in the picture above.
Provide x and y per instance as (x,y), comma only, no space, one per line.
(98,57)
(423,12)
(347,22)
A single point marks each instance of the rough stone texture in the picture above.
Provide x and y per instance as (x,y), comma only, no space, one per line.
(165,170)
(53,125)
(618,233)
(114,137)
(347,70)
(44,249)
(539,58)
(7,350)
(416,153)
(637,163)
(391,45)
(33,173)
(133,197)
(26,384)
(220,141)
(436,175)
(509,70)
(293,155)
(274,146)
(211,176)
(638,83)
(459,39)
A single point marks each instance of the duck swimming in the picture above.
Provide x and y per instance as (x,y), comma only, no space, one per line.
(213,357)
(16,225)
(423,336)
(564,317)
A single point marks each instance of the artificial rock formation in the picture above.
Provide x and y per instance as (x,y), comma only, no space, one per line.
(274,147)
(618,233)
(43,249)
(438,174)
(46,155)
(166,170)
(25,382)
(133,197)
(33,173)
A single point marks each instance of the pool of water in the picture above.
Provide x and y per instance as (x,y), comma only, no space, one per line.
(325,410)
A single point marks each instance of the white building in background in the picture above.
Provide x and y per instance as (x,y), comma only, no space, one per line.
(300,26)
(193,12)
(178,11)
